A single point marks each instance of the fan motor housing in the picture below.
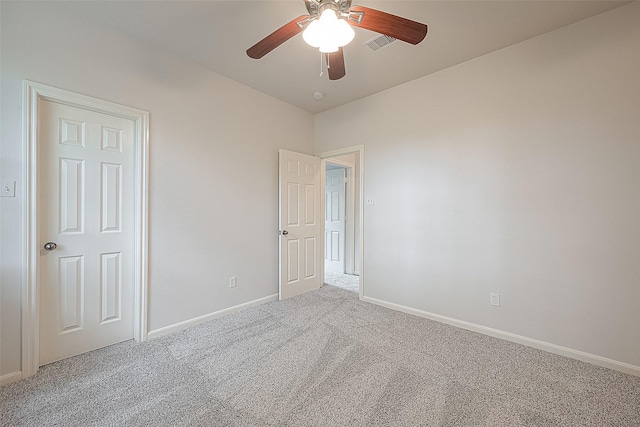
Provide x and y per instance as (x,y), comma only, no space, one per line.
(315,7)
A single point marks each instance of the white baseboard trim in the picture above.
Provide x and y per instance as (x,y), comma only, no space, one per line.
(508,336)
(197,320)
(10,378)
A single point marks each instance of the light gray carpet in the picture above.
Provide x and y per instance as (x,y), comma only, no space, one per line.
(322,359)
(348,282)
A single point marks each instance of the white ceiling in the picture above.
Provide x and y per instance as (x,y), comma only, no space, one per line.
(216,34)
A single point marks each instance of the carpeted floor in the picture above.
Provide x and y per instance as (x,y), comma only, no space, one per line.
(348,282)
(321,359)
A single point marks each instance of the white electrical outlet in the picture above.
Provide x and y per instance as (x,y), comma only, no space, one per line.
(495,299)
(233,281)
(370,201)
(8,189)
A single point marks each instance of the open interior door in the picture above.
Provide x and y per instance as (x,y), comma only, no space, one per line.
(301,223)
(334,221)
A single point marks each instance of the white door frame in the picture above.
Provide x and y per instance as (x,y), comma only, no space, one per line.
(33,93)
(335,153)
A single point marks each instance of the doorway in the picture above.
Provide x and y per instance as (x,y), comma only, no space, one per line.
(68,169)
(343,219)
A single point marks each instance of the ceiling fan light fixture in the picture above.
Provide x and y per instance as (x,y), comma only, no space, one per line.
(328,33)
(328,27)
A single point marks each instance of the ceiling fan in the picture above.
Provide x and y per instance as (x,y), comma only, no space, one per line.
(327,27)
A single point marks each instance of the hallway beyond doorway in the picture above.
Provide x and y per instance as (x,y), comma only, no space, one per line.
(348,282)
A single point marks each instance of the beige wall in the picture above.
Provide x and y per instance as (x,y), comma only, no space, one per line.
(213,163)
(518,173)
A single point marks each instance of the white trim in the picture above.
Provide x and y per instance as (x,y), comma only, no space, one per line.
(323,210)
(360,150)
(10,378)
(508,336)
(201,319)
(32,94)
(350,225)
(340,163)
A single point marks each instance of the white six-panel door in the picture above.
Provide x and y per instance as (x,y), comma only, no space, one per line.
(334,221)
(301,224)
(86,208)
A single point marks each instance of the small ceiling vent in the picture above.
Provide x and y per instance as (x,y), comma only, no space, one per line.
(377,43)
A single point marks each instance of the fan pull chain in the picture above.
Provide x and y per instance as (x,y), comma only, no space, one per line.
(321,69)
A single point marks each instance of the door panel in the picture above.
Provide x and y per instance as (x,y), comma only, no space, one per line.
(85,206)
(71,196)
(300,219)
(110,280)
(111,183)
(70,302)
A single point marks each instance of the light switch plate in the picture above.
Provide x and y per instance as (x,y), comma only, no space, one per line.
(8,189)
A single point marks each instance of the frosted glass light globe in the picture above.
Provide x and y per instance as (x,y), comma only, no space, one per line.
(344,33)
(313,34)
(328,32)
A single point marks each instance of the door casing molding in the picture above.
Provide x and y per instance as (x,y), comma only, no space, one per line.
(33,93)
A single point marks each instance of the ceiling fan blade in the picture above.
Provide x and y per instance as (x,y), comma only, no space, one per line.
(276,38)
(335,62)
(385,23)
